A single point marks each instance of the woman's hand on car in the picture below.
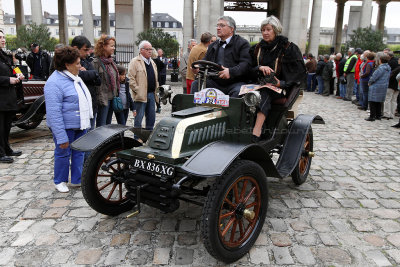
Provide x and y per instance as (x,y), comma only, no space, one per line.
(64,145)
(265,70)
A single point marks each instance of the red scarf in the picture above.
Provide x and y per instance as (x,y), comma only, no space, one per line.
(108,64)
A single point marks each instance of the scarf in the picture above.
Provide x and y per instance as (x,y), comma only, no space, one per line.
(108,64)
(271,51)
(84,98)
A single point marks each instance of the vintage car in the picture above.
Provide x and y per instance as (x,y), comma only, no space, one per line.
(201,154)
(30,103)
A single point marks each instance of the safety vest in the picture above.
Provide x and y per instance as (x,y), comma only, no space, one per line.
(348,62)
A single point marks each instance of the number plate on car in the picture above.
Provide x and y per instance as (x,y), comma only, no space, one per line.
(154,167)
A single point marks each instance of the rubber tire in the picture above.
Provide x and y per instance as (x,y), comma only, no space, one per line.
(211,208)
(32,124)
(90,169)
(297,177)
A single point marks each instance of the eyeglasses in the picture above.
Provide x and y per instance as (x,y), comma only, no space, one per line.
(148,49)
(220,25)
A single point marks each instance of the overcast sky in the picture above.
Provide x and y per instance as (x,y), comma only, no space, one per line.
(74,7)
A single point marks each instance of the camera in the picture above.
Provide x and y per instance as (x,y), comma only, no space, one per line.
(20,56)
(264,79)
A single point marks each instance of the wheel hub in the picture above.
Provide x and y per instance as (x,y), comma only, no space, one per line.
(239,212)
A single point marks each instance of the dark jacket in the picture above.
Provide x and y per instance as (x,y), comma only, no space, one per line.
(129,100)
(236,58)
(91,78)
(393,63)
(311,65)
(327,71)
(8,96)
(161,66)
(341,67)
(290,69)
(45,63)
(320,67)
(393,83)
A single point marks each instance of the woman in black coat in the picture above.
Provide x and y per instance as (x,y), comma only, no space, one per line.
(8,102)
(275,54)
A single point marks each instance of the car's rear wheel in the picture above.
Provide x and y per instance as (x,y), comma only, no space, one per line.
(300,173)
(32,123)
(234,211)
(101,186)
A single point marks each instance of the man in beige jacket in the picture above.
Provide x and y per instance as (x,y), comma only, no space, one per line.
(198,52)
(143,81)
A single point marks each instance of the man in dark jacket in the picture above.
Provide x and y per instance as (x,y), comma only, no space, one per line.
(87,73)
(232,53)
(327,75)
(318,73)
(39,62)
(341,61)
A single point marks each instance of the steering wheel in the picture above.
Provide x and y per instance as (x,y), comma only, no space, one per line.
(204,66)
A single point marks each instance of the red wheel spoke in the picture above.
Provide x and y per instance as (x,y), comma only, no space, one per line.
(230,203)
(228,225)
(251,205)
(112,191)
(112,168)
(243,190)
(120,191)
(241,228)
(104,175)
(226,215)
(235,190)
(104,186)
(233,231)
(249,195)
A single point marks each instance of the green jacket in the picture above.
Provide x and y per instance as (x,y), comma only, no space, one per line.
(350,65)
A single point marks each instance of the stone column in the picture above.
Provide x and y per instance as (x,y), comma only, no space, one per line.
(285,17)
(302,39)
(339,24)
(19,13)
(87,14)
(380,20)
(147,14)
(315,27)
(188,22)
(105,17)
(137,19)
(366,13)
(36,9)
(294,30)
(62,22)
(216,11)
(203,13)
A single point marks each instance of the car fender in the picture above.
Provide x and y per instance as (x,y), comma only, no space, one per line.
(100,135)
(294,142)
(213,159)
(32,111)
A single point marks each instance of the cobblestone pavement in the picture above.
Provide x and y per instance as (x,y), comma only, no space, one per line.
(346,214)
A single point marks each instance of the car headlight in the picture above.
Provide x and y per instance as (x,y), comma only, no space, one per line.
(252,98)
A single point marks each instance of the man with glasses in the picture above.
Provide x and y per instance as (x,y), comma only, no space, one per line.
(87,72)
(143,81)
(231,52)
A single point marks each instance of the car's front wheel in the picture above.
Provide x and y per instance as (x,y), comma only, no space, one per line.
(234,211)
(300,173)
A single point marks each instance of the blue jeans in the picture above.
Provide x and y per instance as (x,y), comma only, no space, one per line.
(356,90)
(66,158)
(311,82)
(320,84)
(365,88)
(102,114)
(147,109)
(232,90)
(342,88)
(122,116)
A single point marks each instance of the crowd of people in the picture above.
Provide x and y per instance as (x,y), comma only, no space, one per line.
(373,78)
(83,92)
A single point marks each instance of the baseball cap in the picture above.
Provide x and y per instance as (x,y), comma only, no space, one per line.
(359,51)
(33,45)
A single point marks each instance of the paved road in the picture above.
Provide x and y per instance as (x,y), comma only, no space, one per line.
(346,214)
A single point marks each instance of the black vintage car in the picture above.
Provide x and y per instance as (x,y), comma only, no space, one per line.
(30,103)
(201,154)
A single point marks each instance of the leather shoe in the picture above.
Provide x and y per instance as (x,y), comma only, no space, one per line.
(15,153)
(396,125)
(255,138)
(362,108)
(6,159)
(369,119)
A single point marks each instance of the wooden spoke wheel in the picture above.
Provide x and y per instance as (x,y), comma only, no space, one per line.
(234,211)
(300,173)
(102,178)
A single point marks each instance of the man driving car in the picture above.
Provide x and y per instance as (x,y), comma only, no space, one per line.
(231,52)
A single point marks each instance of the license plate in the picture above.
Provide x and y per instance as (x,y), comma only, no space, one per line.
(154,167)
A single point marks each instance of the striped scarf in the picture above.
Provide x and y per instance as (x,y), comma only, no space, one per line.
(108,64)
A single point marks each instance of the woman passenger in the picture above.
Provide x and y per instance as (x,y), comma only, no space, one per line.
(275,54)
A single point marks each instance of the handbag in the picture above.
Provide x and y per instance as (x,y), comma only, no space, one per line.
(117,104)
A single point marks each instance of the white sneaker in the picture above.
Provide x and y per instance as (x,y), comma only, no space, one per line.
(62,187)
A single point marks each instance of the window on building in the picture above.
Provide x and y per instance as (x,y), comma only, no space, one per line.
(158,24)
(166,25)
(98,33)
(11,20)
(48,21)
(112,23)
(73,32)
(57,32)
(12,30)
(174,25)
(251,39)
